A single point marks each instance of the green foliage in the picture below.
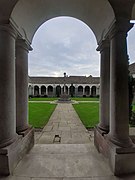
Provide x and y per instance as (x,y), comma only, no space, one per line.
(88,113)
(39,114)
(132,118)
(133,109)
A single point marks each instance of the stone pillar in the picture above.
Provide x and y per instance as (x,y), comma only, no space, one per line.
(97,91)
(47,90)
(83,90)
(104,112)
(33,90)
(89,91)
(76,91)
(40,91)
(119,108)
(7,89)
(21,85)
(54,91)
(67,90)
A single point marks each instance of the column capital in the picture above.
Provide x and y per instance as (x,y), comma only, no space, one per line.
(23,44)
(103,44)
(8,28)
(121,27)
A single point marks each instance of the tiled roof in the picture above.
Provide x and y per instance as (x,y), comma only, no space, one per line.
(68,80)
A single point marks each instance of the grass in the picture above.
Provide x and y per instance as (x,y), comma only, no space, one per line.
(85,99)
(39,114)
(42,99)
(88,113)
(55,98)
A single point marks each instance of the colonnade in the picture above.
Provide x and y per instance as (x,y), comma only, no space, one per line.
(111,136)
(14,83)
(114,113)
(53,90)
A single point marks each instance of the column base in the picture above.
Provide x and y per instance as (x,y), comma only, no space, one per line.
(8,141)
(103,130)
(21,129)
(121,160)
(12,154)
(24,131)
(124,143)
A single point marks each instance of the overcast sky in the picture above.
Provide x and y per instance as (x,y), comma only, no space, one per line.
(68,45)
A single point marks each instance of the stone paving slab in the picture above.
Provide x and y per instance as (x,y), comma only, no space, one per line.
(62,161)
(65,120)
(62,149)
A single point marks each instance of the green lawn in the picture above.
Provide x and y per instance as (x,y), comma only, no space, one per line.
(85,99)
(88,113)
(42,99)
(55,98)
(39,114)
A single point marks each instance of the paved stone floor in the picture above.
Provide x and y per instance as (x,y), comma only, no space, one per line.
(64,150)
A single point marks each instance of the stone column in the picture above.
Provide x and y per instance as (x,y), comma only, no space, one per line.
(119,108)
(7,83)
(67,90)
(22,50)
(54,91)
(89,91)
(76,91)
(104,112)
(83,90)
(40,91)
(97,91)
(47,90)
(33,90)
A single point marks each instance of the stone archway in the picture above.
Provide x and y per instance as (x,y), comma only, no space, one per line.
(87,90)
(58,91)
(36,90)
(93,91)
(50,91)
(80,90)
(109,21)
(43,90)
(72,90)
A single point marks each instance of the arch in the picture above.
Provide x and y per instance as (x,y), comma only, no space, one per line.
(72,90)
(43,90)
(50,90)
(93,91)
(58,91)
(36,90)
(80,90)
(33,13)
(66,89)
(87,90)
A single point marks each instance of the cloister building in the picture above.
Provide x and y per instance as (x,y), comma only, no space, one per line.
(76,86)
